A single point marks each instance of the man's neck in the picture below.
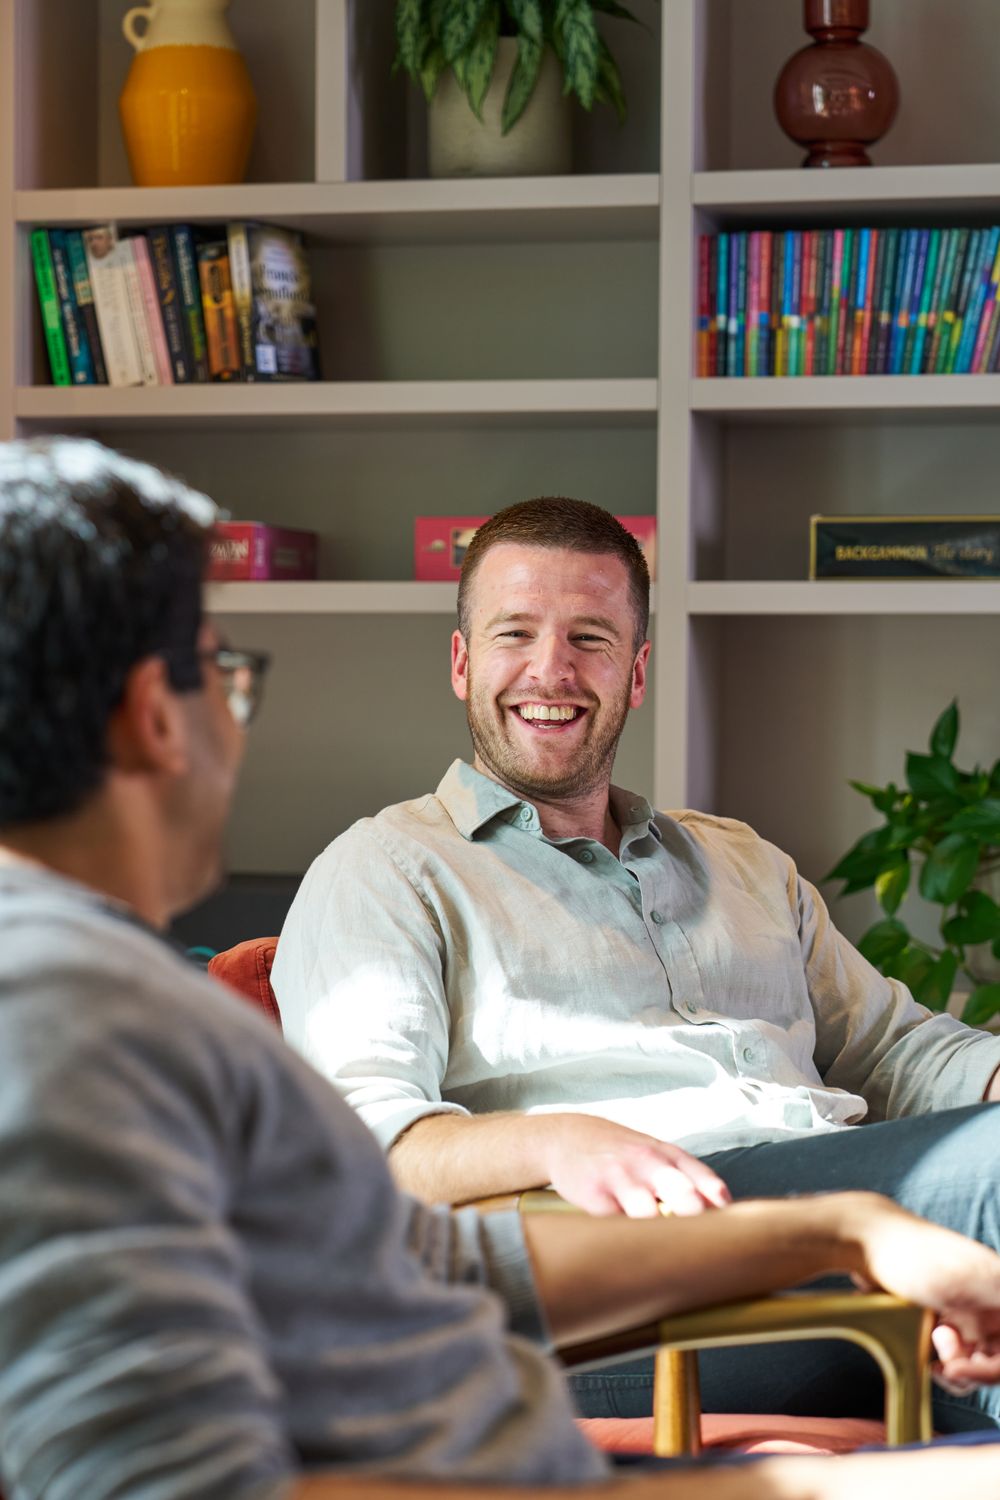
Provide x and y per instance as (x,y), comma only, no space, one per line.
(92,848)
(587,816)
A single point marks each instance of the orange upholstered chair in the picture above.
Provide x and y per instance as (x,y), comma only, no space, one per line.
(247,968)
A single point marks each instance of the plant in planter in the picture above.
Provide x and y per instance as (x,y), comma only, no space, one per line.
(501,56)
(945,824)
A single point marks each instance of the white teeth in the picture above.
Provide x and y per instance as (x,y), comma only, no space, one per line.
(546,711)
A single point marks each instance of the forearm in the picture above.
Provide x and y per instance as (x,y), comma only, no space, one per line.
(598,1276)
(457,1158)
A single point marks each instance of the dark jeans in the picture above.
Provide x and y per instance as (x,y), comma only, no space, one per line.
(944,1166)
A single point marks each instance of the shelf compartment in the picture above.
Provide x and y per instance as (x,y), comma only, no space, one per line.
(445,403)
(882,193)
(784,399)
(847,597)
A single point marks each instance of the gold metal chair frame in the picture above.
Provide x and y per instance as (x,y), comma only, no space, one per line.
(896,1333)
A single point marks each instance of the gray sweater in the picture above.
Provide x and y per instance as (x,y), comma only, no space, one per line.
(207,1278)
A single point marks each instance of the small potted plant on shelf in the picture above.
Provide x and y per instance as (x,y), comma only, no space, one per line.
(945,825)
(497,75)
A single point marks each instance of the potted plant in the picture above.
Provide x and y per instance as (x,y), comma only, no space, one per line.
(488,66)
(943,826)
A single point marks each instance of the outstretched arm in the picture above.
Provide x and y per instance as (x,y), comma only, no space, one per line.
(593,1163)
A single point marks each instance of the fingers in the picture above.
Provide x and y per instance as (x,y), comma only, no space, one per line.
(964,1361)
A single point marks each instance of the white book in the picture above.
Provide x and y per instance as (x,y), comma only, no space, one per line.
(137,312)
(105,263)
(151,306)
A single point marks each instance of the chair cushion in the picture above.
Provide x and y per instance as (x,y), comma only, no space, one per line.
(742,1434)
(247,969)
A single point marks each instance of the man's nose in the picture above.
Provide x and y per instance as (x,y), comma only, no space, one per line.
(552,660)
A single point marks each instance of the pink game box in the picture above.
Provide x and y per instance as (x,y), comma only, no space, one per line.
(249,550)
(441,541)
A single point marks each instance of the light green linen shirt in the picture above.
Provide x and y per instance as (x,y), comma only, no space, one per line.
(447,955)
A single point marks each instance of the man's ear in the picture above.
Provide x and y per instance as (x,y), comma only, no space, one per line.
(148,730)
(639,676)
(459,666)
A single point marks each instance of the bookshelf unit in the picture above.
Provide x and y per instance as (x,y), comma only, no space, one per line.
(486,340)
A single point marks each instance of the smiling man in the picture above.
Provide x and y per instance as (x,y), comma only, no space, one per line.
(530,977)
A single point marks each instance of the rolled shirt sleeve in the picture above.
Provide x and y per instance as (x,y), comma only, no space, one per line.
(359,978)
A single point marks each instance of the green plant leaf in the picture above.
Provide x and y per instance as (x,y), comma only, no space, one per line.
(883,942)
(412,35)
(609,84)
(981,818)
(576,41)
(978,920)
(866,789)
(529,19)
(481,56)
(522,82)
(982,1005)
(612,8)
(949,868)
(945,732)
(891,884)
(459,22)
(930,775)
(934,988)
(866,859)
(911,966)
(433,66)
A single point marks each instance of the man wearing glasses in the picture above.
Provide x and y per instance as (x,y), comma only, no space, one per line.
(209,1286)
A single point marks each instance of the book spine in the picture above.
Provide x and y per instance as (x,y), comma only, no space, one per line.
(137,313)
(976,242)
(932,302)
(981,279)
(918,329)
(189,288)
(753,304)
(239,276)
(795,342)
(713,274)
(81,366)
(742,275)
(107,278)
(722,306)
(777,296)
(48,302)
(949,292)
(985,317)
(85,302)
(764,304)
(901,317)
(823,300)
(168,296)
(151,308)
(858,301)
(810,260)
(221,335)
(701,333)
(732,303)
(920,273)
(836,271)
(876,257)
(848,278)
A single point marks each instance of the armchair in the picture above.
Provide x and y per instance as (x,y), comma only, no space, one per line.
(894,1332)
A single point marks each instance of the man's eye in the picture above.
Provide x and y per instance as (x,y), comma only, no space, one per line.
(592,640)
(515,634)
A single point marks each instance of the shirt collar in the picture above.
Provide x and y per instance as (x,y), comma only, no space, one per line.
(472,800)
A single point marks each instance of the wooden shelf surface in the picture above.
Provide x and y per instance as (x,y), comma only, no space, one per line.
(868,397)
(904,596)
(797,196)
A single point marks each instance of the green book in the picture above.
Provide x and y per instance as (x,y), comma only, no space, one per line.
(48,301)
(939,297)
(965,290)
(946,318)
(917,332)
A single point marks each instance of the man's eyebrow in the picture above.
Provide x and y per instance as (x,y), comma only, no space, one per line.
(525,617)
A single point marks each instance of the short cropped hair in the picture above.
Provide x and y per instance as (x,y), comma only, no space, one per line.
(101,565)
(557,521)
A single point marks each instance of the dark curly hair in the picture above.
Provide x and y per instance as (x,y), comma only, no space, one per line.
(101,565)
(557,521)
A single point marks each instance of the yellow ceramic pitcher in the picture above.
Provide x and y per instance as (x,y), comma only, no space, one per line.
(188,107)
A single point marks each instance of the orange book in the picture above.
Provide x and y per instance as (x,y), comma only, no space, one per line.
(221,328)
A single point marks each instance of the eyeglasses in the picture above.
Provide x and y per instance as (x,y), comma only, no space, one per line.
(242,679)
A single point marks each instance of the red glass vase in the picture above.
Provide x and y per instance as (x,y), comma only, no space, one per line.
(838,95)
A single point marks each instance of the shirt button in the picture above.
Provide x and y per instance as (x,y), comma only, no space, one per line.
(656,917)
(525,814)
(586,856)
(690,1007)
(748,1054)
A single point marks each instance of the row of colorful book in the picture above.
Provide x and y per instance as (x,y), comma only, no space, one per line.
(174,304)
(849,302)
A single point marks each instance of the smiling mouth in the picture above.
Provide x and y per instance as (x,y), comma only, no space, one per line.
(548,717)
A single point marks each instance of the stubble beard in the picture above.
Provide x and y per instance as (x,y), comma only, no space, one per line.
(588,772)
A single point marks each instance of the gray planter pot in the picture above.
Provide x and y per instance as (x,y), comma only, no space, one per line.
(540,144)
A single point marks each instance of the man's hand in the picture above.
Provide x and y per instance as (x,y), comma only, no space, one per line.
(606,1168)
(937,1268)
